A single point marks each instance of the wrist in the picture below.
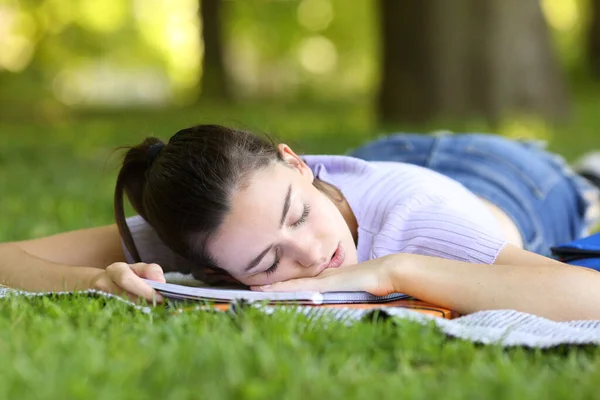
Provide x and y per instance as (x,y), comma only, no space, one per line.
(82,278)
(398,267)
(69,278)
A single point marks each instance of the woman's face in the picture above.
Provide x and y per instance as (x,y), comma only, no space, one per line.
(281,227)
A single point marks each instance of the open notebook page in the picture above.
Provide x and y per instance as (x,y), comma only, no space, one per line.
(220,295)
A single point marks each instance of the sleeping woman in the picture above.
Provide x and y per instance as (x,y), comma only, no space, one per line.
(462,221)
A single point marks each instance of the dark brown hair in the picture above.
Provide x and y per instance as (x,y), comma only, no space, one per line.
(183,188)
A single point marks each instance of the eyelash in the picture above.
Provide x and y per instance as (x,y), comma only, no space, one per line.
(302,219)
(296,224)
(273,267)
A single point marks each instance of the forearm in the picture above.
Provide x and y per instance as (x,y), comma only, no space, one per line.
(21,270)
(555,291)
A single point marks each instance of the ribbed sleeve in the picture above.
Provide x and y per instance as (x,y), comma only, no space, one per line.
(435,226)
(152,249)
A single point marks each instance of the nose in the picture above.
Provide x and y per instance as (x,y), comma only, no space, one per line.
(307,250)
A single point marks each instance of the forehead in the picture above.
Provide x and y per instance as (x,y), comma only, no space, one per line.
(264,187)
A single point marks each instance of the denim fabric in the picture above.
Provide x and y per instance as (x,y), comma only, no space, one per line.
(548,202)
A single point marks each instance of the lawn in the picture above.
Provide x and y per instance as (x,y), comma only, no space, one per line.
(59,175)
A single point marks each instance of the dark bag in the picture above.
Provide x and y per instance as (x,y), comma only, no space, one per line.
(584,252)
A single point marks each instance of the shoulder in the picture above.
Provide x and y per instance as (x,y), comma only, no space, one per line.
(346,171)
(152,249)
(338,164)
(412,177)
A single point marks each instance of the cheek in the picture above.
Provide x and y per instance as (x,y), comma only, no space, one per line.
(322,222)
(330,218)
(252,281)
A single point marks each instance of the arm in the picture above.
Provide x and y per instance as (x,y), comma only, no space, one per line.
(84,259)
(66,261)
(94,247)
(21,270)
(519,280)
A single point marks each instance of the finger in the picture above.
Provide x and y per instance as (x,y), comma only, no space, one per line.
(130,284)
(154,272)
(125,279)
(107,286)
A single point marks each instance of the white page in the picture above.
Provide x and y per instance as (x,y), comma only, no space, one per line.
(302,297)
(233,294)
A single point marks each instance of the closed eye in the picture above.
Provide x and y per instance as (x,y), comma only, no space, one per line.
(273,267)
(303,217)
(296,224)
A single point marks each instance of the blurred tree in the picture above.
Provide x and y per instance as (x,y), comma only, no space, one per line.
(214,83)
(465,58)
(593,39)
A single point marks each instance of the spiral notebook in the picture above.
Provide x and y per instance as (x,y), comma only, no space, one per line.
(219,295)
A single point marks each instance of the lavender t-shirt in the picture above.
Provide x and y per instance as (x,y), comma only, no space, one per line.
(399,208)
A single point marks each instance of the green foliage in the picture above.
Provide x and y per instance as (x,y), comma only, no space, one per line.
(278,38)
(300,49)
(69,44)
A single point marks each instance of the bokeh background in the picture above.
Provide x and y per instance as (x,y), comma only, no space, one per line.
(79,78)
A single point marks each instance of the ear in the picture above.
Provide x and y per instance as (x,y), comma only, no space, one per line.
(294,161)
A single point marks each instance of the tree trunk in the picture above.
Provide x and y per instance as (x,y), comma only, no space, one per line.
(593,39)
(467,58)
(214,83)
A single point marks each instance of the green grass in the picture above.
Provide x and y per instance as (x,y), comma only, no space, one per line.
(59,175)
(93,348)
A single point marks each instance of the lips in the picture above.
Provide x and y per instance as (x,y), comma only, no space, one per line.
(337,258)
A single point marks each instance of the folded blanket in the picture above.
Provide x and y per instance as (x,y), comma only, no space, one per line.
(501,327)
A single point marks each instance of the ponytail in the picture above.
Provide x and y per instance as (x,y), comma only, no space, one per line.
(132,180)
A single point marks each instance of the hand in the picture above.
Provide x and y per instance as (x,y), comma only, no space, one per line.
(126,280)
(372,276)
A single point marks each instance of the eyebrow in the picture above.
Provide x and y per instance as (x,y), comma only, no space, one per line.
(286,209)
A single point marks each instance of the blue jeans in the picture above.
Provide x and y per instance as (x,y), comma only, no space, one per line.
(549,203)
